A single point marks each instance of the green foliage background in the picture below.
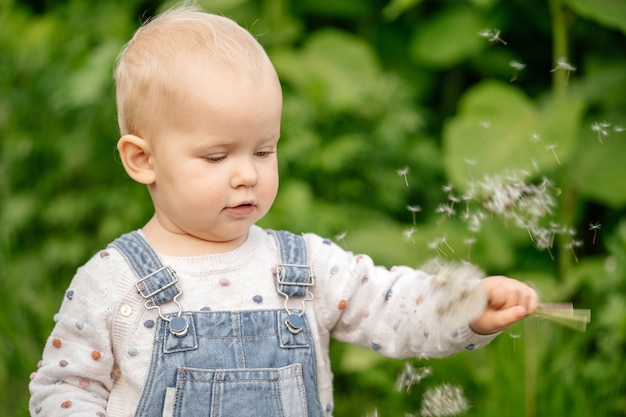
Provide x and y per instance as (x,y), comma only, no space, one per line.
(370,87)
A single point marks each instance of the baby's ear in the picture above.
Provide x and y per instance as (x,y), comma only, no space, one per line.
(136,156)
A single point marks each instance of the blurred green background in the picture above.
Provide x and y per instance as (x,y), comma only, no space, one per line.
(444,91)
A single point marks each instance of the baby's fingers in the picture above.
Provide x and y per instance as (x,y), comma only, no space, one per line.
(493,321)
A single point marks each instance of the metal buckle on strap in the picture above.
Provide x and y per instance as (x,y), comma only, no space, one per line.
(141,291)
(178,324)
(294,322)
(281,271)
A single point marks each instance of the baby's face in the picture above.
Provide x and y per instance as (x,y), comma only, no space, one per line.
(215,156)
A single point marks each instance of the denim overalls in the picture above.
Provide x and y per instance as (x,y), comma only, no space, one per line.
(229,363)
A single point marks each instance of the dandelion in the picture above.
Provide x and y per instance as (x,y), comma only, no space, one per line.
(492,35)
(413,210)
(601,129)
(444,400)
(552,148)
(562,64)
(411,376)
(517,67)
(403,173)
(594,227)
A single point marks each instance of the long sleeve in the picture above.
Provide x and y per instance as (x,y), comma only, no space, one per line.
(75,374)
(399,312)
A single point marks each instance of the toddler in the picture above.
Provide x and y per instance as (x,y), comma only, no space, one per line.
(202,312)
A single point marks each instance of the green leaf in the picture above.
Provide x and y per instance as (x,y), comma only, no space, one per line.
(610,13)
(498,128)
(336,69)
(448,38)
(599,170)
(396,7)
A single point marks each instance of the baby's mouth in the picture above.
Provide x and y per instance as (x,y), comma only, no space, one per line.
(244,209)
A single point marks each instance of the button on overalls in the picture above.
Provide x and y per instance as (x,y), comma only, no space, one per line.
(230,363)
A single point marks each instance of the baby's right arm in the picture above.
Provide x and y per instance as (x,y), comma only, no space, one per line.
(74,375)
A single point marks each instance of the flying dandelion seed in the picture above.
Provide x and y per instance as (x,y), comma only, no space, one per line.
(594,227)
(511,197)
(562,64)
(446,211)
(572,245)
(535,137)
(404,173)
(408,235)
(492,35)
(444,240)
(341,237)
(618,129)
(414,210)
(444,400)
(434,245)
(411,376)
(486,125)
(517,67)
(601,129)
(552,148)
(514,336)
(469,242)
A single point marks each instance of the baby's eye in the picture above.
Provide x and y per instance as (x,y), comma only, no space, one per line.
(215,158)
(263,154)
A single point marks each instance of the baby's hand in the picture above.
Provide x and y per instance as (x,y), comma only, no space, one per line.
(509,301)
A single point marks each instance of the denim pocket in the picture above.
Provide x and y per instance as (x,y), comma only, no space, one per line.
(240,392)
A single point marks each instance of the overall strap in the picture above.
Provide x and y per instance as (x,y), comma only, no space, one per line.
(293,276)
(156,283)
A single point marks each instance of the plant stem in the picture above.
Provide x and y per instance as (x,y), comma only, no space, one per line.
(530,368)
(559,47)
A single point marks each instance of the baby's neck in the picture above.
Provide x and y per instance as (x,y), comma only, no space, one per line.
(182,244)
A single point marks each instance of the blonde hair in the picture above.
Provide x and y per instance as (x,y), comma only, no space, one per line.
(151,63)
